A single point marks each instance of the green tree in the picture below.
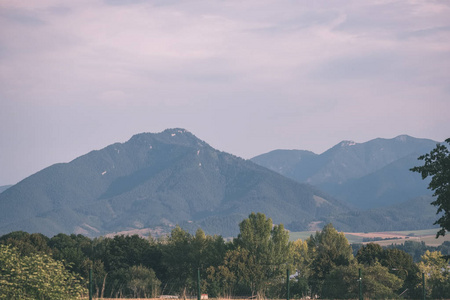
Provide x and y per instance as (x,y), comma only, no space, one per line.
(177,258)
(233,275)
(36,276)
(268,253)
(27,243)
(437,166)
(301,262)
(435,267)
(72,250)
(369,254)
(328,250)
(143,282)
(377,282)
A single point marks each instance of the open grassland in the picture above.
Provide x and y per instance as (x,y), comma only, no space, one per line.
(385,238)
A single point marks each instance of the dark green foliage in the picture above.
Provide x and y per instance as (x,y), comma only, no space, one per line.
(328,250)
(26,243)
(377,283)
(73,249)
(369,254)
(397,262)
(437,166)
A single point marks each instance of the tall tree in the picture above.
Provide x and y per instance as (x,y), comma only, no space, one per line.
(267,249)
(177,258)
(328,249)
(437,166)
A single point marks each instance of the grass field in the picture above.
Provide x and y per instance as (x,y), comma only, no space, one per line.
(389,237)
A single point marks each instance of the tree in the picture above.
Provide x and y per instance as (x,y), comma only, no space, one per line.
(328,249)
(377,282)
(301,261)
(143,282)
(437,166)
(434,266)
(369,254)
(177,258)
(26,243)
(36,276)
(267,250)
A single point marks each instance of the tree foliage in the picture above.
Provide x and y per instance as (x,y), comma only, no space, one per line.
(267,249)
(437,166)
(328,250)
(36,276)
(254,263)
(435,268)
(377,282)
(143,282)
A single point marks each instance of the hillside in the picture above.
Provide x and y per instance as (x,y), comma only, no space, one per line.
(414,214)
(4,187)
(157,181)
(366,175)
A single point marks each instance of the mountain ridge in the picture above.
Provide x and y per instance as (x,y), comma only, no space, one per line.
(156,180)
(344,169)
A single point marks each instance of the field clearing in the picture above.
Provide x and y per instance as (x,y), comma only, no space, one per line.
(388,237)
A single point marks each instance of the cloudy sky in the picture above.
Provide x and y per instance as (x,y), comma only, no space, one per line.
(246,76)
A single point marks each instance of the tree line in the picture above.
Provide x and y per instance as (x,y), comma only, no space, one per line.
(255,263)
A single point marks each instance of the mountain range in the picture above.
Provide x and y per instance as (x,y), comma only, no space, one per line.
(157,180)
(366,175)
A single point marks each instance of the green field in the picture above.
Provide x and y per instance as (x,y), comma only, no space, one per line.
(389,237)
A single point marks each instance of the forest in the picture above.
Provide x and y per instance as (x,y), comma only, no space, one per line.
(256,263)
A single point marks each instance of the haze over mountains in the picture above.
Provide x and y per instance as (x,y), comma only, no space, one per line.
(157,181)
(154,181)
(367,175)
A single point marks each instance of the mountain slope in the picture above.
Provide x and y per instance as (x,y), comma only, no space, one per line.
(366,175)
(393,183)
(414,214)
(4,187)
(156,180)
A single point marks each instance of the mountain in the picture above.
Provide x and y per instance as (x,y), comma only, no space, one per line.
(154,181)
(366,175)
(414,214)
(4,187)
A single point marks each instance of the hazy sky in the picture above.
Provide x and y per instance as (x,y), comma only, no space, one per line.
(247,77)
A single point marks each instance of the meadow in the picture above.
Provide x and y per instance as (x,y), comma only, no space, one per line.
(385,238)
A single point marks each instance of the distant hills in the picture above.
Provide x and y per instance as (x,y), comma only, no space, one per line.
(157,180)
(154,181)
(366,175)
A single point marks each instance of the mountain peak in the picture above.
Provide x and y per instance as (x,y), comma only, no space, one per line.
(347,143)
(402,138)
(174,136)
(175,131)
